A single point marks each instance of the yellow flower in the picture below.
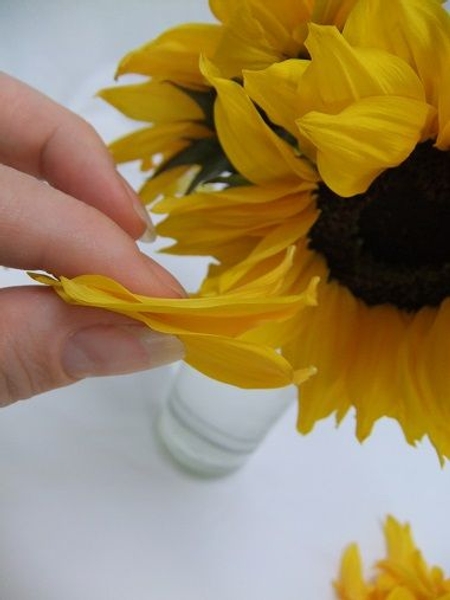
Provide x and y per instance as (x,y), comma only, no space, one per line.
(314,134)
(345,154)
(402,575)
(220,333)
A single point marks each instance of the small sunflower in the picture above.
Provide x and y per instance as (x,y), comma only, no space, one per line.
(402,575)
(318,130)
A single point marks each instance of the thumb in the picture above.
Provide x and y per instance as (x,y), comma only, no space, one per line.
(46,344)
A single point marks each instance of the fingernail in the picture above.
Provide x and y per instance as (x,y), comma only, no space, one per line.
(114,350)
(149,234)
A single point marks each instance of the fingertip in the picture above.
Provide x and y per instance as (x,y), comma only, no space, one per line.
(162,282)
(147,233)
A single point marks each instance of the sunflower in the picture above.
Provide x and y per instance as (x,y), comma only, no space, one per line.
(300,140)
(402,575)
(344,152)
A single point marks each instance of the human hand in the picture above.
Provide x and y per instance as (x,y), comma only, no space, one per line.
(65,209)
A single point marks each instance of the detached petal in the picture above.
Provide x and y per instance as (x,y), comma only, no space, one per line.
(210,327)
(356,145)
(351,583)
(402,575)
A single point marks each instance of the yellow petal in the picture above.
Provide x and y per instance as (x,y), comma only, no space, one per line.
(399,542)
(152,101)
(277,240)
(275,90)
(211,224)
(223,359)
(253,148)
(165,140)
(333,12)
(285,11)
(401,593)
(223,9)
(417,31)
(174,55)
(351,585)
(243,44)
(248,195)
(258,33)
(356,145)
(168,182)
(340,74)
(443,138)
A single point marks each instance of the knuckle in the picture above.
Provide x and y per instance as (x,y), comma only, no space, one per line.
(20,376)
(15,381)
(28,366)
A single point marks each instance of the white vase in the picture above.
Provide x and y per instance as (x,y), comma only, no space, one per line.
(211,428)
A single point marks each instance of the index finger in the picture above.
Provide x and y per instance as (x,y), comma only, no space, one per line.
(44,229)
(44,139)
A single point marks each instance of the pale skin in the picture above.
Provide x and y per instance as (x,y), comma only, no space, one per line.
(65,209)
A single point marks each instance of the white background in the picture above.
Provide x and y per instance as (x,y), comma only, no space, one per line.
(90,506)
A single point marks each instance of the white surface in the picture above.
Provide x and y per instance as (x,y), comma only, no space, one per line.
(92,509)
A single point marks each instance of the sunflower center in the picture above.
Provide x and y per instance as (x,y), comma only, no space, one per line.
(392,243)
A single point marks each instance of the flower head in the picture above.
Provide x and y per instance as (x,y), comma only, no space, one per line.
(328,137)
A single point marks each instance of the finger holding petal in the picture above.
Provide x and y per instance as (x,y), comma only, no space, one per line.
(228,314)
(209,327)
